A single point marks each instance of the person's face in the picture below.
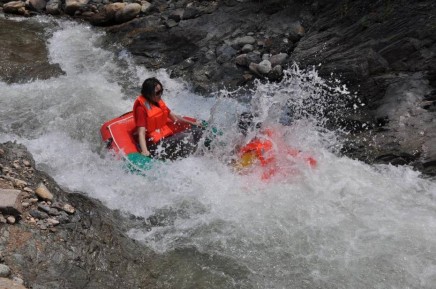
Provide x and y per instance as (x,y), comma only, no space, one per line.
(158,90)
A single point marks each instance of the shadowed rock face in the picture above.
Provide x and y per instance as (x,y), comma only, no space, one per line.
(23,53)
(386,52)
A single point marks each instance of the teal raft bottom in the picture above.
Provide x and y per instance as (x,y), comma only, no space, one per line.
(136,162)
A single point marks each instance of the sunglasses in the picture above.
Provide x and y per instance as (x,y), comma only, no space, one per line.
(159,93)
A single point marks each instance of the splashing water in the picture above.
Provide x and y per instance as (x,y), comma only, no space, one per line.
(345,224)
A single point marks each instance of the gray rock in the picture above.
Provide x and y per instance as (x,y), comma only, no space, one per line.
(53,7)
(241,41)
(145,6)
(170,23)
(253,57)
(225,53)
(176,15)
(276,73)
(18,259)
(63,218)
(69,209)
(36,5)
(129,12)
(10,202)
(242,60)
(44,208)
(264,67)
(71,6)
(38,214)
(253,68)
(5,271)
(278,59)
(15,7)
(190,13)
(247,48)
(11,219)
(53,212)
(52,222)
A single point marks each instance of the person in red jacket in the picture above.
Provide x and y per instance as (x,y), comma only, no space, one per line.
(268,151)
(155,137)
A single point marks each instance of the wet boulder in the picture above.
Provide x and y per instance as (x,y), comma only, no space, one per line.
(127,13)
(278,59)
(264,67)
(15,7)
(107,15)
(239,42)
(36,5)
(71,6)
(53,7)
(115,13)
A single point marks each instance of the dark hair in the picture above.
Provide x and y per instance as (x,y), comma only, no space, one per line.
(148,87)
(246,123)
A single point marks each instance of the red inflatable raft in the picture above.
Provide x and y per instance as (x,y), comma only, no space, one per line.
(118,134)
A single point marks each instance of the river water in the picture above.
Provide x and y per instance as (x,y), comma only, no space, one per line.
(343,224)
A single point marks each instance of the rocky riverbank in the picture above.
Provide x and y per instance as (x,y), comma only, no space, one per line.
(47,243)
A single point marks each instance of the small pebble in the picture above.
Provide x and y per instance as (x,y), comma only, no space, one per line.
(26,163)
(52,221)
(53,212)
(11,219)
(42,192)
(69,209)
(43,207)
(20,183)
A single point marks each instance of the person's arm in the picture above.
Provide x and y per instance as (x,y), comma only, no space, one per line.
(177,118)
(142,142)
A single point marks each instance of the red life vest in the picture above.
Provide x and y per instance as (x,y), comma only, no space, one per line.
(262,149)
(267,155)
(156,119)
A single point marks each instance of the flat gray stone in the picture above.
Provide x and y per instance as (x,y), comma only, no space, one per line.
(10,203)
(4,271)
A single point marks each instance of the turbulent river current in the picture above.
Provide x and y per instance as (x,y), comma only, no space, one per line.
(343,224)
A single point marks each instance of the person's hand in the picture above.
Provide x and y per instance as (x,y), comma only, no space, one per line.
(145,153)
(197,123)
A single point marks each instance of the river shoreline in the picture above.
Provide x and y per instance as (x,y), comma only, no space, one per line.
(382,59)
